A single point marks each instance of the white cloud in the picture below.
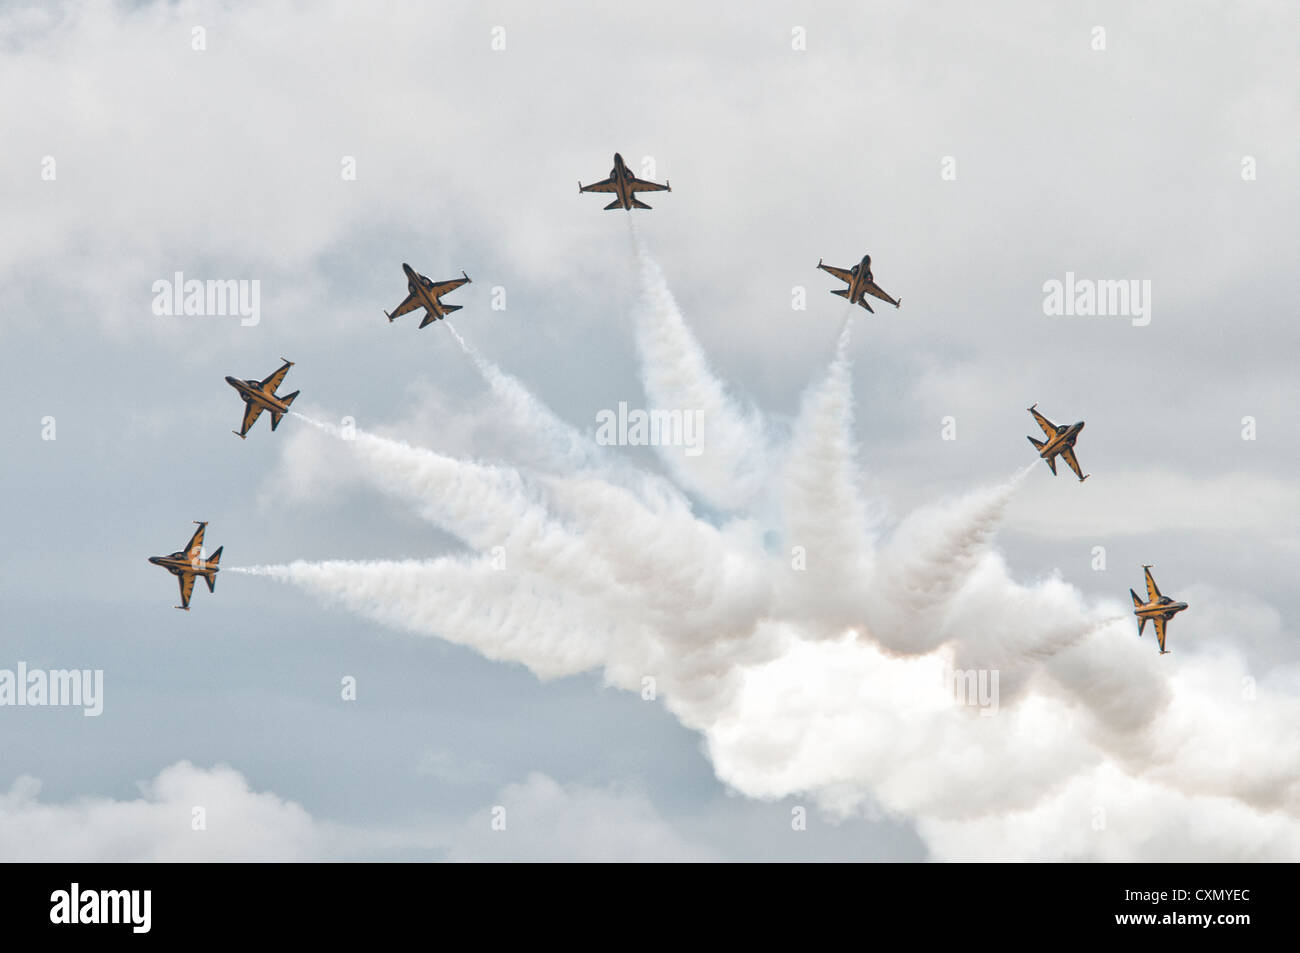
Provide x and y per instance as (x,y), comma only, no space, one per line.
(545,820)
(241,824)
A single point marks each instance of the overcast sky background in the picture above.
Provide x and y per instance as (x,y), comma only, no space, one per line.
(225,163)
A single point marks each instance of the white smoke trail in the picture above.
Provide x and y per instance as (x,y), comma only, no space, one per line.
(825,519)
(634,553)
(504,614)
(732,470)
(564,445)
(625,578)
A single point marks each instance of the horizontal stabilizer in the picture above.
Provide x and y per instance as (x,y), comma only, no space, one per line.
(1038,444)
(637,203)
(842,292)
(617,203)
(863,302)
(1136,601)
(449,308)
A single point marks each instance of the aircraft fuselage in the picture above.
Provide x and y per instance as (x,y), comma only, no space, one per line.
(861,278)
(1163,608)
(421,291)
(252,391)
(622,179)
(176,563)
(1063,439)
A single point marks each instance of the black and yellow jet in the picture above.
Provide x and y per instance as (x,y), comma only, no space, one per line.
(860,283)
(1158,609)
(260,396)
(624,185)
(188,563)
(425,294)
(1060,440)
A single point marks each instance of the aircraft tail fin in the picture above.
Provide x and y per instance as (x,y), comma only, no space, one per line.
(211,576)
(277,416)
(1038,444)
(617,203)
(637,203)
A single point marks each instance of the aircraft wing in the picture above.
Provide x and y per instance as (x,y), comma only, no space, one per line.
(608,185)
(1153,592)
(1049,428)
(410,304)
(443,287)
(876,291)
(251,413)
(187,589)
(195,546)
(1160,630)
(841,273)
(641,185)
(1073,461)
(273,382)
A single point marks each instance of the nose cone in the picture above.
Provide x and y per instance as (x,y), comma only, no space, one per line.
(153,560)
(617,157)
(1078,426)
(230,380)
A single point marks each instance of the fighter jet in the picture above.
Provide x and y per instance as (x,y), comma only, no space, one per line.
(189,562)
(260,396)
(425,294)
(1059,440)
(860,283)
(624,184)
(1158,609)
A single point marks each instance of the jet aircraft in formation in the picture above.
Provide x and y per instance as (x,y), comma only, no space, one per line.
(260,395)
(624,185)
(1060,440)
(425,294)
(1158,609)
(860,283)
(188,563)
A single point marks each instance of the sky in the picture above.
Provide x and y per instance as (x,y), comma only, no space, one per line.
(797,714)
